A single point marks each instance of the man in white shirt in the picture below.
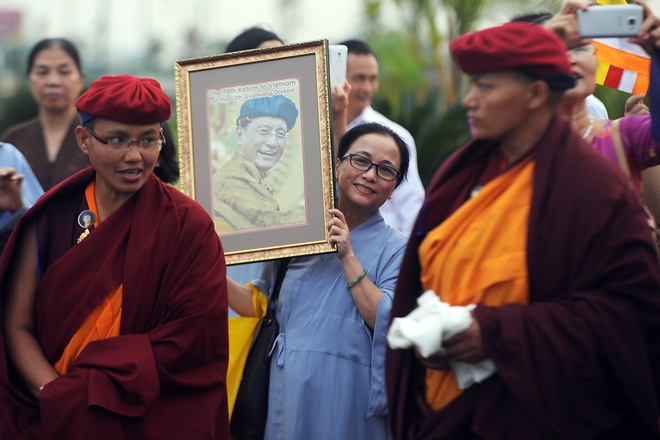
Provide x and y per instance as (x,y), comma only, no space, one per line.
(596,108)
(362,74)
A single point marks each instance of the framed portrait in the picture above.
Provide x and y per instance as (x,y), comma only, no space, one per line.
(255,143)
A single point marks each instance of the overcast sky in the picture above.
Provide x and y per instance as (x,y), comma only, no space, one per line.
(119,28)
(123,27)
(116,33)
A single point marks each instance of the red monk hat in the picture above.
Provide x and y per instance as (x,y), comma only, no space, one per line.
(524,47)
(125,98)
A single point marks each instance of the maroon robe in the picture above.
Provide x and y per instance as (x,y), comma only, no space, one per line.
(164,375)
(582,360)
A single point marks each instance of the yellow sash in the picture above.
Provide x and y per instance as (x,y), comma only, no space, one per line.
(241,334)
(105,319)
(478,255)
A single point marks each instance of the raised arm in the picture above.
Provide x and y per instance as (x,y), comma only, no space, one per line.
(564,23)
(649,33)
(651,179)
(10,189)
(365,293)
(635,106)
(339,111)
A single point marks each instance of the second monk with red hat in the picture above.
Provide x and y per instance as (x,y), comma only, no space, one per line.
(545,243)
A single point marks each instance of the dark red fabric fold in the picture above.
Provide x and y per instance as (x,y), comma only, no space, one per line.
(164,376)
(582,360)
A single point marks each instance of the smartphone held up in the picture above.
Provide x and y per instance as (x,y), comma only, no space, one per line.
(337,59)
(603,21)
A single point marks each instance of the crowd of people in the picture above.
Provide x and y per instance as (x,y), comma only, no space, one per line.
(516,297)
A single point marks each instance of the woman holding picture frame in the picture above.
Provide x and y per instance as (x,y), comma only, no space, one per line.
(333,309)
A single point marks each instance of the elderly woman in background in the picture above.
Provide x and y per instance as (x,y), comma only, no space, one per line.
(48,142)
(327,378)
(540,244)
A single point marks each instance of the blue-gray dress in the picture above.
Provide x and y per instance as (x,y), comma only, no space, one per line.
(327,373)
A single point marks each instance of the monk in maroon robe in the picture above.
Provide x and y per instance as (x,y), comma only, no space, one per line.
(577,354)
(114,305)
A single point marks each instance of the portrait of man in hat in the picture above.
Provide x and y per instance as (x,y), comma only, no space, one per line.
(245,188)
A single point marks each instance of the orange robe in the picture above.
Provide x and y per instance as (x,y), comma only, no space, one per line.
(104,320)
(478,255)
(582,359)
(164,375)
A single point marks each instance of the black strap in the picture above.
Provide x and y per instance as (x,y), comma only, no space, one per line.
(248,422)
(269,318)
(275,295)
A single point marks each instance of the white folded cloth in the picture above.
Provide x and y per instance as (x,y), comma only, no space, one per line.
(432,322)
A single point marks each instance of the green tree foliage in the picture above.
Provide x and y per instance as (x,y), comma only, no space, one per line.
(17,108)
(437,131)
(613,99)
(420,87)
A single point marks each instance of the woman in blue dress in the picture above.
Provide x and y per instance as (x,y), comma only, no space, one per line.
(327,370)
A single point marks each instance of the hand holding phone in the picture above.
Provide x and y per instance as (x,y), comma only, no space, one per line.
(610,21)
(337,59)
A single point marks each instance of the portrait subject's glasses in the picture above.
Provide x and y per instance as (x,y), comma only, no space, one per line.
(385,172)
(121,143)
(265,133)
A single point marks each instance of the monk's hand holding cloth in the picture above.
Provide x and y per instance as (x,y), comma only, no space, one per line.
(433,322)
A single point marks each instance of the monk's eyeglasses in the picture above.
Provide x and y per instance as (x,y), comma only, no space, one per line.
(385,172)
(121,143)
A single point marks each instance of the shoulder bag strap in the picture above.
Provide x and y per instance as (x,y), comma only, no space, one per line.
(275,294)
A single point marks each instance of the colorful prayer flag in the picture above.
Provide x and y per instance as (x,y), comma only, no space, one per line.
(621,65)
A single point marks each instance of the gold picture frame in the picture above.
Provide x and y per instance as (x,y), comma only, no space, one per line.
(212,93)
